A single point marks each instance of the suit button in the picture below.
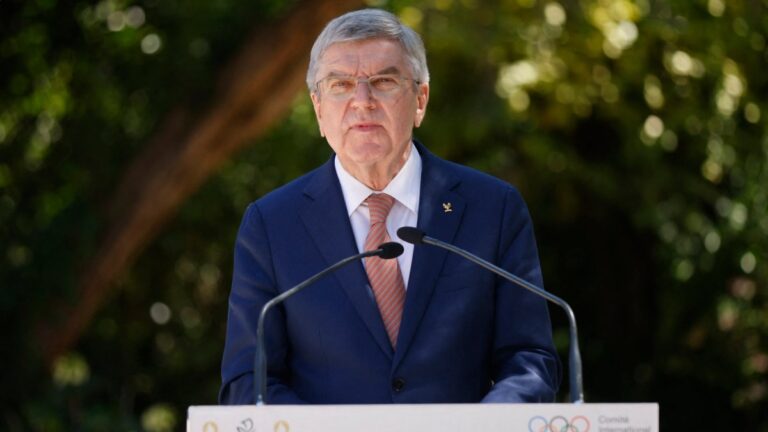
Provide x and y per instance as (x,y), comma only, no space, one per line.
(398,384)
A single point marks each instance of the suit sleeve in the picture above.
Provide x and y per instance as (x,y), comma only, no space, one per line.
(525,367)
(253,284)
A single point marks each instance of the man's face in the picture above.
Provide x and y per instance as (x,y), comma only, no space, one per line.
(366,131)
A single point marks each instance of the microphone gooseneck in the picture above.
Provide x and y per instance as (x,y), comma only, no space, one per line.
(387,250)
(416,236)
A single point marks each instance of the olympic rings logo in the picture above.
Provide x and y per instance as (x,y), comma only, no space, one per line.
(558,424)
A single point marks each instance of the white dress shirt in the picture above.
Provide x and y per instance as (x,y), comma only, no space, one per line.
(404,188)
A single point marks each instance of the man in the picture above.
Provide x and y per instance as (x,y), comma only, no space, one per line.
(426,328)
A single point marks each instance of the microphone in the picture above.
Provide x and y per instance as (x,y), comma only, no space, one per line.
(387,250)
(416,236)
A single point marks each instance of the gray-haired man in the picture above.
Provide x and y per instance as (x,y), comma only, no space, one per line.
(427,328)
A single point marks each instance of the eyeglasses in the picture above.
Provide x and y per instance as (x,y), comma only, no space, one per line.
(382,87)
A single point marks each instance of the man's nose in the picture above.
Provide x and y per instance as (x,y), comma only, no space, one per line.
(362,92)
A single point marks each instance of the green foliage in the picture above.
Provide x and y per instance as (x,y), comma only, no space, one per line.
(635,129)
(84,86)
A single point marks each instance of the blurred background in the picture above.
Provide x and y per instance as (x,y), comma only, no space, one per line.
(134,133)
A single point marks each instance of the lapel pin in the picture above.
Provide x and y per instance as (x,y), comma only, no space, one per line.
(447,207)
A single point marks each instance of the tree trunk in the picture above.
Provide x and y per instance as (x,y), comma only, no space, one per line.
(254,91)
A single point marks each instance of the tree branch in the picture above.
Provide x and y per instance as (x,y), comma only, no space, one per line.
(253,92)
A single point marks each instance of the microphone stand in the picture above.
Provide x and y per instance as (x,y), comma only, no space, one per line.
(574,356)
(385,251)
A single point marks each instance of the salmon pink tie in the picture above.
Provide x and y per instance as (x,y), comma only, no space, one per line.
(384,274)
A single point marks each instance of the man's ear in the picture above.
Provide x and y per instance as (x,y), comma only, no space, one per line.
(422,98)
(318,115)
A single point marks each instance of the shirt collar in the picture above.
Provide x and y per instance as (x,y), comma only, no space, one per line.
(404,188)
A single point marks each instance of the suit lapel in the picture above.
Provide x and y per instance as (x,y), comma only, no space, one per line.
(440,212)
(325,217)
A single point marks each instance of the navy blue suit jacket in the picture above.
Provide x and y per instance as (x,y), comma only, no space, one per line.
(465,335)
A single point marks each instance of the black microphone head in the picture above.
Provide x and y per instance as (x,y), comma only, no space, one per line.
(411,235)
(390,250)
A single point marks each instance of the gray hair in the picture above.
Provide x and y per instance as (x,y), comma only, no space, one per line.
(369,24)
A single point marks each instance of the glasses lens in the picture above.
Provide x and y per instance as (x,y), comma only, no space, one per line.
(385,83)
(339,86)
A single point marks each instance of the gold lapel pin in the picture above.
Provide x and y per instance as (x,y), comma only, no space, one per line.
(447,207)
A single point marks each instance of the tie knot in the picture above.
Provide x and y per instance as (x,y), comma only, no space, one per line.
(379,206)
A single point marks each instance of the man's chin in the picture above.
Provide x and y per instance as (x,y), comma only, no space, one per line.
(368,152)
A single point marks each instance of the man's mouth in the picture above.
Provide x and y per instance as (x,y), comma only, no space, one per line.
(365,126)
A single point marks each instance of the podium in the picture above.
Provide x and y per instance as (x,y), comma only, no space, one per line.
(594,417)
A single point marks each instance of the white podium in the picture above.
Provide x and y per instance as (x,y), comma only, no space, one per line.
(642,417)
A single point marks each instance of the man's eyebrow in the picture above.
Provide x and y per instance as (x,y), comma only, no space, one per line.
(393,70)
(389,70)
